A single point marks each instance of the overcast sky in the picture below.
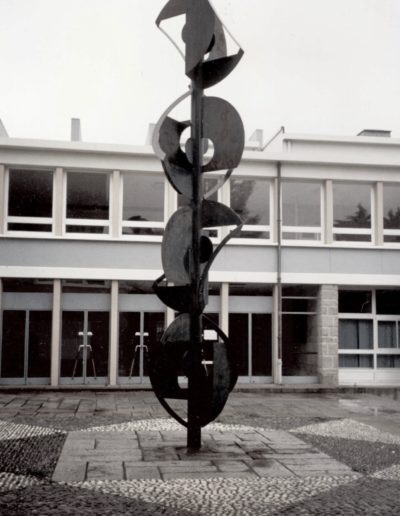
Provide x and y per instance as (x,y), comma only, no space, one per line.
(314,66)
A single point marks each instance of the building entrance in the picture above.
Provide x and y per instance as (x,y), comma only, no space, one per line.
(85,347)
(26,347)
(138,332)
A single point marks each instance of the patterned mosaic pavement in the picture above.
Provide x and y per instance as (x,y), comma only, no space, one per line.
(116,454)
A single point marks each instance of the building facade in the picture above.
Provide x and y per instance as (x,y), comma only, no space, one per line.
(309,293)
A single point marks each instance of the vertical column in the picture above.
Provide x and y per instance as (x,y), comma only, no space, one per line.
(328,334)
(3,201)
(58,202)
(116,204)
(114,330)
(377,214)
(276,359)
(56,333)
(224,310)
(328,212)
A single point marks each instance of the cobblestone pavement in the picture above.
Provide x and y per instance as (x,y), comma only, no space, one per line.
(114,453)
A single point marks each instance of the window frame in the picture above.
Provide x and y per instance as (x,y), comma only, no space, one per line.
(371,231)
(12,219)
(105,223)
(316,230)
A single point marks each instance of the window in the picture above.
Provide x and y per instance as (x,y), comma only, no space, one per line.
(388,334)
(87,202)
(143,204)
(301,210)
(352,212)
(391,213)
(30,200)
(250,199)
(369,331)
(355,301)
(355,334)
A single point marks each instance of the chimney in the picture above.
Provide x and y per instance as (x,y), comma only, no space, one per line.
(375,132)
(76,135)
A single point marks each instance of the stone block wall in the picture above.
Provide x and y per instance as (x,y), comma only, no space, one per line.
(328,334)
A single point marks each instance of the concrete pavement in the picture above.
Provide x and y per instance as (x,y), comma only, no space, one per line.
(118,453)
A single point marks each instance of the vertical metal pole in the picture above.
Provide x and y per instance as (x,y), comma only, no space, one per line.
(194,428)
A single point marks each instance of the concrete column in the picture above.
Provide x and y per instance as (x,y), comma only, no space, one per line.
(328,212)
(114,331)
(225,199)
(116,204)
(224,310)
(328,334)
(276,360)
(275,212)
(3,201)
(377,214)
(56,334)
(58,201)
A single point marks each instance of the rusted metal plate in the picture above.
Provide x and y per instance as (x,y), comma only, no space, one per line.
(218,369)
(224,127)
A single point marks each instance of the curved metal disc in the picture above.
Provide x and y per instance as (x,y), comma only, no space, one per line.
(217,214)
(198,32)
(176,241)
(224,127)
(214,71)
(218,370)
(171,9)
(156,133)
(179,177)
(169,140)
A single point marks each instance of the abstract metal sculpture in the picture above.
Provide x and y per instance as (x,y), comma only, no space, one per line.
(186,348)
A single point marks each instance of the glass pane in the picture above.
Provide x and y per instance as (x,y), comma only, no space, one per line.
(356,361)
(39,350)
(351,206)
(98,344)
(388,361)
(299,345)
(88,229)
(250,289)
(87,195)
(129,351)
(30,193)
(301,204)
(71,351)
(250,200)
(354,301)
(154,326)
(391,207)
(300,236)
(208,184)
(355,334)
(14,226)
(143,197)
(239,338)
(387,334)
(388,302)
(13,344)
(261,341)
(298,305)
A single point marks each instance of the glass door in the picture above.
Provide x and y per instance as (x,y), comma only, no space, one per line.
(251,335)
(138,332)
(84,348)
(26,347)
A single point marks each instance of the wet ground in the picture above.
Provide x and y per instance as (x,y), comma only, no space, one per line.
(114,453)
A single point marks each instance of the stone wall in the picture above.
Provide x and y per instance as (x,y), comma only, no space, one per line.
(328,334)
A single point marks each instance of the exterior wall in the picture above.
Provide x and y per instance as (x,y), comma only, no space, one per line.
(114,256)
(327,331)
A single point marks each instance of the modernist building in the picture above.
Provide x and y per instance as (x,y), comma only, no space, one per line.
(310,292)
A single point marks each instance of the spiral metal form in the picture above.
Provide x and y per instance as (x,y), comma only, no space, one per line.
(193,346)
